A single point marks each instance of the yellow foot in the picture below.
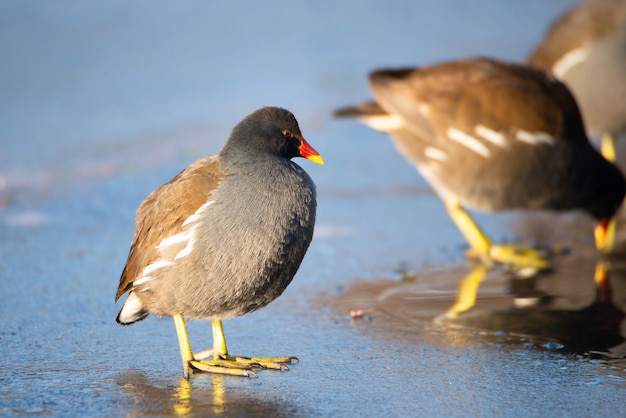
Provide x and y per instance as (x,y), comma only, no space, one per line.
(221,367)
(518,256)
(239,366)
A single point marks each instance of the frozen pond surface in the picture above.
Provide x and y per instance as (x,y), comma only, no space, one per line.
(101,102)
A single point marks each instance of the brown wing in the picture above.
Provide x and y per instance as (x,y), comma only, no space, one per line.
(464,94)
(163,212)
(472,119)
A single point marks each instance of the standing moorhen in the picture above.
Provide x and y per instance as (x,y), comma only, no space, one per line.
(224,237)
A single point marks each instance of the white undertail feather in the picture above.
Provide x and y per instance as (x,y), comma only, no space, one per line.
(132,310)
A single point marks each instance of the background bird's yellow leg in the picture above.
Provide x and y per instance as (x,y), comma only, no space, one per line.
(468,290)
(605,234)
(477,240)
(607,147)
(488,253)
(183,342)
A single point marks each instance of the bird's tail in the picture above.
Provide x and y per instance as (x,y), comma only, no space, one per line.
(132,311)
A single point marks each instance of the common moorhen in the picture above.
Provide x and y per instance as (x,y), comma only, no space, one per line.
(224,237)
(492,136)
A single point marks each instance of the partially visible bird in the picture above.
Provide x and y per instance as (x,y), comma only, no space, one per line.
(224,237)
(586,49)
(493,136)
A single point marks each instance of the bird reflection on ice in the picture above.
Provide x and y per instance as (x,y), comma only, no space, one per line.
(563,309)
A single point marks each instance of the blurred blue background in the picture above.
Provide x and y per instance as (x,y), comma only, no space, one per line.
(101,102)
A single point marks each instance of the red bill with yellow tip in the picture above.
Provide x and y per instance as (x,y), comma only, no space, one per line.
(308,152)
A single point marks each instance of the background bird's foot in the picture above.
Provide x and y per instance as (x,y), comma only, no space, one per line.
(519,256)
(523,257)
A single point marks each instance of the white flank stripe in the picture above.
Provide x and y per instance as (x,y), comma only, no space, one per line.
(190,242)
(490,135)
(185,251)
(185,236)
(537,138)
(384,123)
(155,266)
(175,239)
(435,154)
(569,60)
(142,280)
(198,213)
(469,142)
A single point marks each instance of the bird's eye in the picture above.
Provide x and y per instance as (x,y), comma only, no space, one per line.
(287,133)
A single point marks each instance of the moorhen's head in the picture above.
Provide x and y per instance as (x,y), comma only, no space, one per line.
(269,130)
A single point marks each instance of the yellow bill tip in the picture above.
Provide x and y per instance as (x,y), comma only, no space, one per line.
(317,159)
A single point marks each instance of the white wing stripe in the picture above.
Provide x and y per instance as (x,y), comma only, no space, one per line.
(469,142)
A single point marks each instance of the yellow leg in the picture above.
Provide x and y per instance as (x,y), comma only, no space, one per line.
(219,340)
(190,363)
(481,245)
(468,290)
(605,234)
(607,147)
(477,240)
(183,342)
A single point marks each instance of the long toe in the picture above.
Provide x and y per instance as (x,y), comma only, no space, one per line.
(242,366)
(272,363)
(228,368)
(520,256)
